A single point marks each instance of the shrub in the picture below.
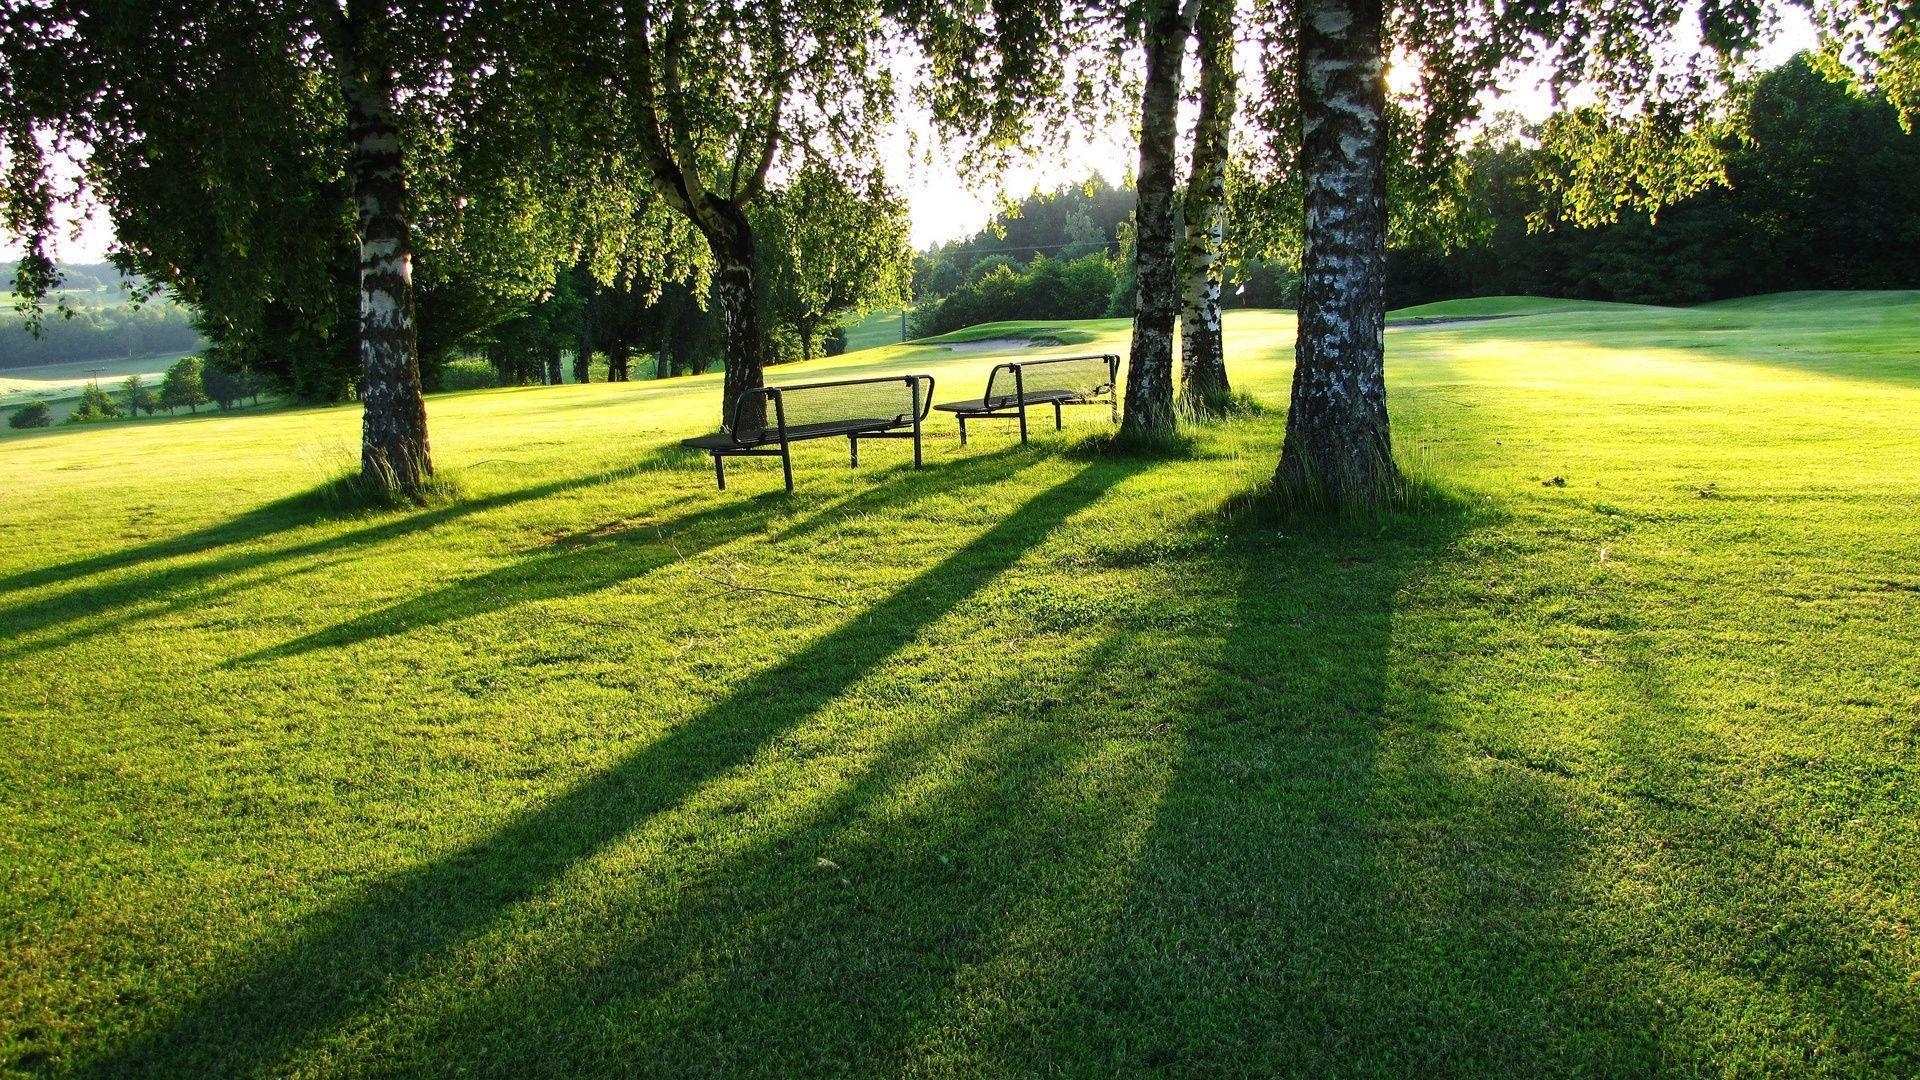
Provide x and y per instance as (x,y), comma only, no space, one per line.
(469,373)
(31,415)
(94,405)
(1043,289)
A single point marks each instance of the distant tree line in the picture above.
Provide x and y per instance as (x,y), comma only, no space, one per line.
(188,384)
(98,333)
(1063,254)
(1822,191)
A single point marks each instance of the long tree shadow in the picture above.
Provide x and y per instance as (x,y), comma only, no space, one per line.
(85,599)
(602,558)
(1329,889)
(1234,845)
(958,833)
(346,956)
(565,566)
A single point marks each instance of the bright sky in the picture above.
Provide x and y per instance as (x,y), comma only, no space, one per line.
(945,206)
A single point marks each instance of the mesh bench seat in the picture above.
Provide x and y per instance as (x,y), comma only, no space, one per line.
(767,421)
(1066,380)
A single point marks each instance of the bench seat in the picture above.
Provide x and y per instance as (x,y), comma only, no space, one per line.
(795,433)
(890,407)
(986,407)
(1016,385)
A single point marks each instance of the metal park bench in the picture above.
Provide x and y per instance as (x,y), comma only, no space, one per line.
(1065,380)
(769,420)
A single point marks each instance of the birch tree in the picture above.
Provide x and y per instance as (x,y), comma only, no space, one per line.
(1165,27)
(1327,107)
(1203,370)
(394,452)
(241,149)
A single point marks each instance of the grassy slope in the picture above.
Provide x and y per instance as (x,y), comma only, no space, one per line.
(1068,770)
(1068,333)
(59,385)
(1483,307)
(874,330)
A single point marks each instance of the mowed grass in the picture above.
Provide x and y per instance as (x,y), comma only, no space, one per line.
(1602,760)
(874,329)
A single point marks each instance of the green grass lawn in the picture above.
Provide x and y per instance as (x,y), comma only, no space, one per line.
(874,330)
(1606,760)
(1112,332)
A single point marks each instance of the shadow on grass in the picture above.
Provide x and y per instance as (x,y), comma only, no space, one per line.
(348,957)
(598,559)
(1247,844)
(1243,847)
(594,560)
(316,506)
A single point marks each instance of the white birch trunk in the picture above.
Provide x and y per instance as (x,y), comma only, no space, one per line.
(1149,407)
(1338,448)
(1203,366)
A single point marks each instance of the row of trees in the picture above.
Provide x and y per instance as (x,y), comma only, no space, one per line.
(1819,193)
(337,149)
(98,333)
(187,384)
(1084,288)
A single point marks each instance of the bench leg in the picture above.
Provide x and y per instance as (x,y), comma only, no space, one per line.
(916,445)
(720,471)
(786,465)
(1056,416)
(853,451)
(1023,423)
(963,431)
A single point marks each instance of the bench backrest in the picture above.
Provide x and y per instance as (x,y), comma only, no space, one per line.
(1086,378)
(891,401)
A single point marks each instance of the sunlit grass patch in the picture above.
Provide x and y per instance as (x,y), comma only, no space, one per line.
(1597,756)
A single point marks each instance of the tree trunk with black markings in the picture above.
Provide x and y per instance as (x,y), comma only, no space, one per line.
(1338,448)
(730,238)
(1205,389)
(393,444)
(1149,408)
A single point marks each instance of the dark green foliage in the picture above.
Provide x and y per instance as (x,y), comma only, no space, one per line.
(1068,224)
(184,386)
(34,414)
(1820,194)
(1043,289)
(1262,283)
(225,386)
(469,373)
(94,405)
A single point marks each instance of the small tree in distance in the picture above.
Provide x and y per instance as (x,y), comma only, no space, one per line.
(139,399)
(223,387)
(183,386)
(34,414)
(94,405)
